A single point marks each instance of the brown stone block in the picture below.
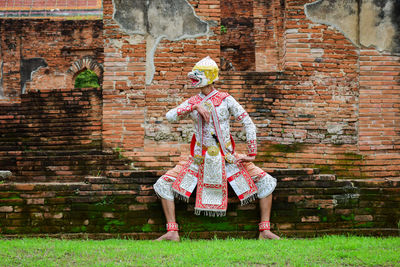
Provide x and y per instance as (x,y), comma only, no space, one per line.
(146,199)
(363,218)
(137,207)
(35,201)
(53,215)
(24,187)
(6,209)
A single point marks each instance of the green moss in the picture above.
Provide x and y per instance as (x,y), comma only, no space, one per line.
(347,218)
(368,210)
(79,229)
(354,156)
(107,200)
(325,169)
(266,157)
(250,227)
(364,225)
(35,229)
(204,223)
(113,226)
(135,228)
(291,148)
(75,229)
(147,228)
(12,197)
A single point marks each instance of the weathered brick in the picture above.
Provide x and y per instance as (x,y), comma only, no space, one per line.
(6,209)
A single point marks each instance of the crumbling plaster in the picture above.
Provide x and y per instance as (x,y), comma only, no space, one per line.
(28,68)
(173,20)
(366,23)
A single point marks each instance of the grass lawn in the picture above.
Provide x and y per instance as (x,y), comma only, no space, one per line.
(324,251)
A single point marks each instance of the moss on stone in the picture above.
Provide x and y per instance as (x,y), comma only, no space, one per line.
(324,169)
(368,210)
(147,228)
(250,227)
(364,225)
(348,218)
(78,229)
(290,148)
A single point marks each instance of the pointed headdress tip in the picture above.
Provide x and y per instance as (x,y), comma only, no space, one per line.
(206,64)
(210,68)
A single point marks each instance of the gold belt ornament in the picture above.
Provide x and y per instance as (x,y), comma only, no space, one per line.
(213,151)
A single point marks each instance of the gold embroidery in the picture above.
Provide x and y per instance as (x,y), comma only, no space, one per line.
(230,158)
(228,144)
(198,159)
(213,151)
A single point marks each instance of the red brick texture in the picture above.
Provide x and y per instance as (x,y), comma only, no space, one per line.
(252,34)
(315,105)
(53,136)
(237,34)
(130,108)
(122,203)
(59,43)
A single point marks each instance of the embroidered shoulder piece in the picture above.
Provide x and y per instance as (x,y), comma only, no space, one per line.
(194,100)
(218,97)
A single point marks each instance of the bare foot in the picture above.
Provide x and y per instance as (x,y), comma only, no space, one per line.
(170,236)
(267,234)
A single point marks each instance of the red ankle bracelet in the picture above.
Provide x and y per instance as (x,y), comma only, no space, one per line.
(265,225)
(172,227)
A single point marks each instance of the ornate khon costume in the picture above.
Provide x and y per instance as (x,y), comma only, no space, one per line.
(212,163)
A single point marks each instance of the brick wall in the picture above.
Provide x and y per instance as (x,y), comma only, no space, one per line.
(238,43)
(123,204)
(254,34)
(133,111)
(315,104)
(53,136)
(58,43)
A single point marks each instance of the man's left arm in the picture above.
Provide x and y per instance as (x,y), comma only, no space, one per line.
(251,131)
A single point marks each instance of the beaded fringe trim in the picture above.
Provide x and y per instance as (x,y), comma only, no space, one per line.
(180,197)
(248,199)
(210,213)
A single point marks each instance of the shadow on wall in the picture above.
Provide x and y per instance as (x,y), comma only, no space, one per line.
(28,68)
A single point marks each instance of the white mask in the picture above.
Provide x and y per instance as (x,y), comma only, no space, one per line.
(198,78)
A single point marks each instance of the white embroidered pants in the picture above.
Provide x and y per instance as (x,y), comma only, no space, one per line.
(265,183)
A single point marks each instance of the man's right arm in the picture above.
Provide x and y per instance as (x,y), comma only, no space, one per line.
(184,109)
(179,112)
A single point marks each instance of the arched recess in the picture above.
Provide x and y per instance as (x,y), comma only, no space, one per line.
(81,65)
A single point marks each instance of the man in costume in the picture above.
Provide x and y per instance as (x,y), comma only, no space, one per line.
(213,162)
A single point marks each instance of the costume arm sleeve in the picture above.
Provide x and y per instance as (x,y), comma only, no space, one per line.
(241,116)
(179,112)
